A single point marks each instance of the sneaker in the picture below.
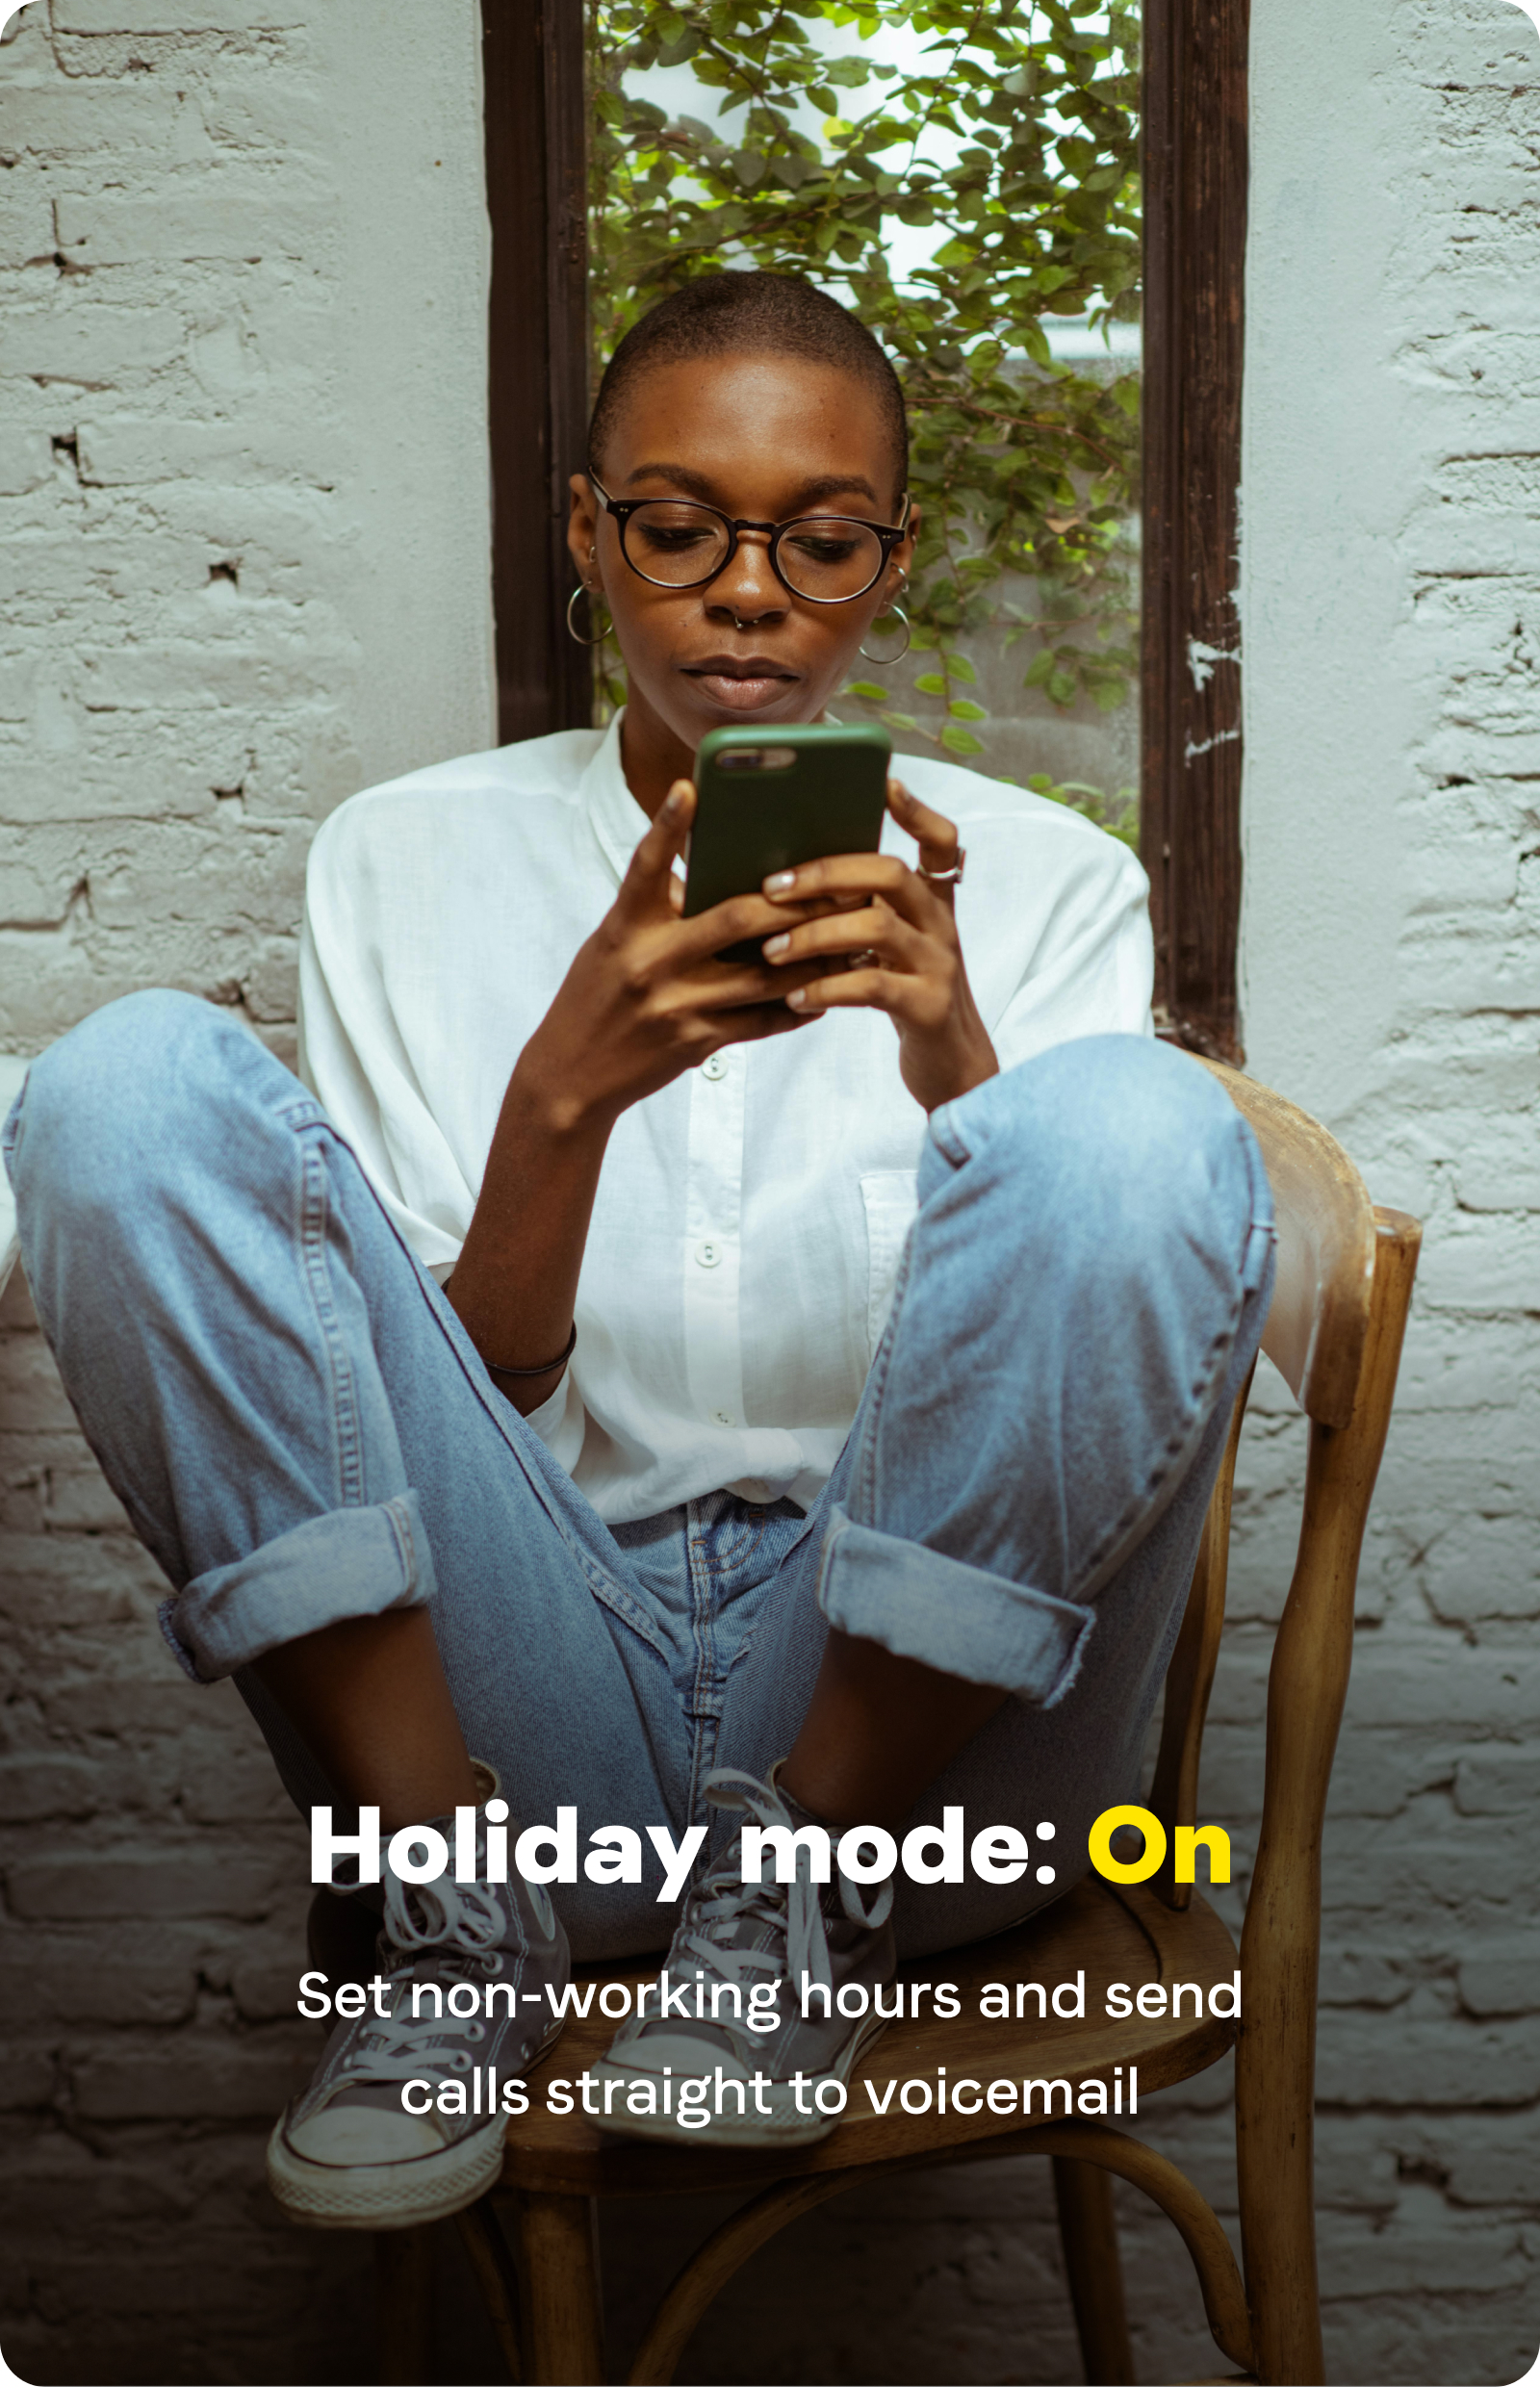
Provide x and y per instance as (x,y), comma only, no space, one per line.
(348,2154)
(742,1935)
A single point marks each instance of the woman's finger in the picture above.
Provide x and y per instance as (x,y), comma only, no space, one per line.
(872,989)
(876,927)
(654,858)
(934,833)
(742,919)
(843,876)
(728,986)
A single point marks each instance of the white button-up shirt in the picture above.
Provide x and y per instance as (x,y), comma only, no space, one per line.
(750,1217)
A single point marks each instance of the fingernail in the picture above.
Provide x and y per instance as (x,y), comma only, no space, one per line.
(674,804)
(774,946)
(780,880)
(797,999)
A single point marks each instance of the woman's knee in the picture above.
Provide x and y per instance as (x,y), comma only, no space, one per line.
(1104,1115)
(1114,1140)
(104,1110)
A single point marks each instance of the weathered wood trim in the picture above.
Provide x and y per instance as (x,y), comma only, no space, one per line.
(532,70)
(1195,178)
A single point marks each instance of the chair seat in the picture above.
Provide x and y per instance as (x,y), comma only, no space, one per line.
(1114,1935)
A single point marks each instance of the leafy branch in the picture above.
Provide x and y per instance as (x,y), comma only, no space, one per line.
(1024,468)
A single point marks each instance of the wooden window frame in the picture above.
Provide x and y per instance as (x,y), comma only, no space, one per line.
(1196,179)
(1195,175)
(537,399)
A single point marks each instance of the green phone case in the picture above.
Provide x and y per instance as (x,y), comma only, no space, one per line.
(828,797)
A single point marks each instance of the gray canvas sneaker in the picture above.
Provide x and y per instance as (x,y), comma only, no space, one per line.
(742,1949)
(348,2154)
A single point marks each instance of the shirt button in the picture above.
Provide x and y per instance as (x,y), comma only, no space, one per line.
(709,1254)
(717,1066)
(724,1417)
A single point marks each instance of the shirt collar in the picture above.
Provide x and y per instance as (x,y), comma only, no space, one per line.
(618,820)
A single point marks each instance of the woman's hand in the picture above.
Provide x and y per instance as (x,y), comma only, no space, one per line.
(645,998)
(889,945)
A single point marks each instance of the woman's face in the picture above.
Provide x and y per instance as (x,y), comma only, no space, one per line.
(765,439)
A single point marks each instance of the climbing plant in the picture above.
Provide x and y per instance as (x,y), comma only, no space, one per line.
(1025,467)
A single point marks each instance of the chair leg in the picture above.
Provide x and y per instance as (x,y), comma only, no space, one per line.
(497,2277)
(1090,2236)
(403,2264)
(558,2275)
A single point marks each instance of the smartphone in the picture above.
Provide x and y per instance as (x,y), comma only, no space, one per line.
(771,799)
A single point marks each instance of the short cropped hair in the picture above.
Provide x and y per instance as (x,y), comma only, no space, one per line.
(751,314)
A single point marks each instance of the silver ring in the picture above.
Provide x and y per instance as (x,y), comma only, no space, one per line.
(864,958)
(946,878)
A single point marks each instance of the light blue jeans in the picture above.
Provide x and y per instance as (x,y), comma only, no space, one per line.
(301,1430)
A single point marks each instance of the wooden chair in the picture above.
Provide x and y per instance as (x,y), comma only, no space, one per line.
(1334,1330)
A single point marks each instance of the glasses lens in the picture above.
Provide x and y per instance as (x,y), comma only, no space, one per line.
(674,544)
(827,557)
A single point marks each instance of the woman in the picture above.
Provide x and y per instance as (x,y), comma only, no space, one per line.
(516,1392)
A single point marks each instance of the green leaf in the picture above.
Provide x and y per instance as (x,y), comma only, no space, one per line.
(930,683)
(963,708)
(1035,216)
(960,741)
(867,690)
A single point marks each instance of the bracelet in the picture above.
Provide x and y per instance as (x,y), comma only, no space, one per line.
(546,1367)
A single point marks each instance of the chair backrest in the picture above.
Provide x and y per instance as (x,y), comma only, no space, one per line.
(1344,1278)
(1334,1332)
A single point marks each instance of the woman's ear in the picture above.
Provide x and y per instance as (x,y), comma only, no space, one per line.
(582,530)
(901,562)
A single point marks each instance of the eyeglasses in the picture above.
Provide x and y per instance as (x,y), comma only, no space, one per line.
(827,558)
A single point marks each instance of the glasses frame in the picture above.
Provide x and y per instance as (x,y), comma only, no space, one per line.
(887,533)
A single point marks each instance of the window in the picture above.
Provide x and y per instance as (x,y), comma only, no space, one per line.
(1194,150)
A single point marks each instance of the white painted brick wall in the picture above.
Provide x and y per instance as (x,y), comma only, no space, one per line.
(244,544)
(1392,971)
(242,307)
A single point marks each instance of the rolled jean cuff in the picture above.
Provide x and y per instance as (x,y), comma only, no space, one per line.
(956,1618)
(351,1562)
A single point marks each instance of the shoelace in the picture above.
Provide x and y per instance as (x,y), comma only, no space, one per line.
(721,1908)
(465,1922)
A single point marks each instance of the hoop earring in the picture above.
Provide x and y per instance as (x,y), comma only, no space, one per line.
(899,615)
(583,589)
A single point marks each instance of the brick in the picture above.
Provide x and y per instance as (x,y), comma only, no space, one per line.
(1449,1366)
(227,217)
(30,1394)
(90,342)
(27,2078)
(127,452)
(172,16)
(1419,2261)
(1425,2062)
(80,1501)
(52,1587)
(39,1784)
(1497,1781)
(269,1990)
(1484,1264)
(193,2080)
(57,1983)
(1502,1977)
(1485,1566)
(162,1703)
(131,1882)
(1488,2159)
(64,123)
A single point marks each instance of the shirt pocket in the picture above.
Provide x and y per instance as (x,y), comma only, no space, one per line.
(889,1197)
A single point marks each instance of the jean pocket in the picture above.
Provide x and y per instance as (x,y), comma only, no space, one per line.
(888,1195)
